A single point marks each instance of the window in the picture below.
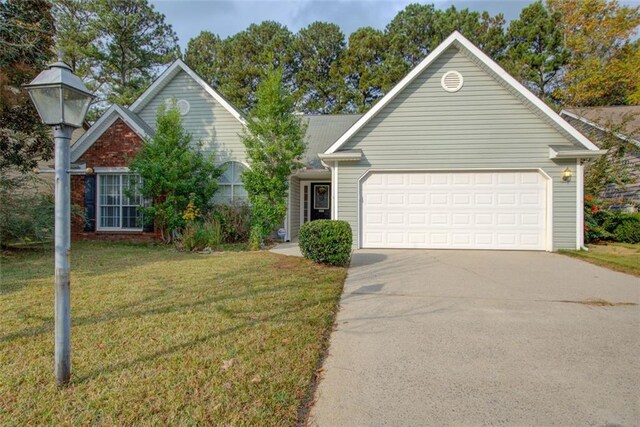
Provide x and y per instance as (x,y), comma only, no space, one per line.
(119,201)
(230,186)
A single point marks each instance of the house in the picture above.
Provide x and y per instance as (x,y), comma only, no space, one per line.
(622,123)
(457,155)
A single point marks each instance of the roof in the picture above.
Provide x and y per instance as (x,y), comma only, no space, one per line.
(168,74)
(623,119)
(324,130)
(139,126)
(458,40)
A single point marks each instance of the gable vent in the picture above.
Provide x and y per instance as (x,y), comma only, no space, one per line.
(452,81)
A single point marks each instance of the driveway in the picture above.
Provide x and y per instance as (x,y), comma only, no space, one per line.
(481,337)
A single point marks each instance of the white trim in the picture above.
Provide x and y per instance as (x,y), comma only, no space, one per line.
(556,152)
(98,204)
(169,74)
(100,126)
(351,155)
(493,66)
(579,205)
(334,183)
(549,190)
(308,183)
(113,170)
(597,126)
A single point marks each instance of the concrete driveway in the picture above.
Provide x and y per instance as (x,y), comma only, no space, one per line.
(481,337)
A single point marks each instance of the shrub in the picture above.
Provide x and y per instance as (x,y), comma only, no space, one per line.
(235,221)
(326,241)
(628,231)
(198,235)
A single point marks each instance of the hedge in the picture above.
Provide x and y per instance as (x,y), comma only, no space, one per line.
(326,241)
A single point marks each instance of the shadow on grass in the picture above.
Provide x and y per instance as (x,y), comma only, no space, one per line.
(247,323)
(123,311)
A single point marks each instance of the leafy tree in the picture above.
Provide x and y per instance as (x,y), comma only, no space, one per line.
(173,173)
(419,28)
(26,40)
(203,56)
(367,75)
(274,140)
(247,56)
(536,53)
(614,167)
(317,50)
(603,67)
(120,46)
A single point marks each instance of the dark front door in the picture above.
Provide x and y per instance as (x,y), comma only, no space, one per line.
(320,200)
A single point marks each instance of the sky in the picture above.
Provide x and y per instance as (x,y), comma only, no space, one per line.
(227,17)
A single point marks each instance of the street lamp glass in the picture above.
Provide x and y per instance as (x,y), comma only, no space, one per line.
(60,96)
(47,102)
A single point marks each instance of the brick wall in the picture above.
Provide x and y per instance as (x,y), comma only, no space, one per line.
(114,148)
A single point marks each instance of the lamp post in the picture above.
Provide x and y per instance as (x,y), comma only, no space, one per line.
(62,102)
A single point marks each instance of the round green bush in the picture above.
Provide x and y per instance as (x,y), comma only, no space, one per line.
(628,231)
(326,241)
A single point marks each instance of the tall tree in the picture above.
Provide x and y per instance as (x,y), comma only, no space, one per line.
(203,55)
(536,54)
(364,69)
(248,55)
(120,47)
(317,51)
(275,145)
(26,40)
(418,29)
(603,67)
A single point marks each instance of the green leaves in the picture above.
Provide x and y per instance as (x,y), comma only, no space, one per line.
(274,142)
(116,46)
(174,172)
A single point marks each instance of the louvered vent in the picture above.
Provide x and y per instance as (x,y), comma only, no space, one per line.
(452,81)
(182,105)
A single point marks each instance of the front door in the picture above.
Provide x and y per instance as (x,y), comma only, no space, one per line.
(320,200)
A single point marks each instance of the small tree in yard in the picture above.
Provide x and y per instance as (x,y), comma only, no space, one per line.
(173,173)
(274,140)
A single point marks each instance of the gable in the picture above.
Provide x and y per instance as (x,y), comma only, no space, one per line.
(115,147)
(207,120)
(483,118)
(494,71)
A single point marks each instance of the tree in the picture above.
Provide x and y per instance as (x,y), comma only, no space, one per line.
(317,51)
(121,45)
(203,56)
(274,140)
(26,37)
(603,67)
(367,75)
(247,56)
(418,29)
(173,173)
(536,54)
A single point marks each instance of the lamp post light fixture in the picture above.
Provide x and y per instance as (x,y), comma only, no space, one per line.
(62,102)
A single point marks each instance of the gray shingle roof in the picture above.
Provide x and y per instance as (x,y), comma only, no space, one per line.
(323,131)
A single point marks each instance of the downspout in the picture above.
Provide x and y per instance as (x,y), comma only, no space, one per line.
(580,205)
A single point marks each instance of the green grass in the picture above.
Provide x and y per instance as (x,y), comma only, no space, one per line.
(161,337)
(622,257)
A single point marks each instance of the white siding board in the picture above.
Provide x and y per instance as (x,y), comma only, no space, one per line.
(483,126)
(207,121)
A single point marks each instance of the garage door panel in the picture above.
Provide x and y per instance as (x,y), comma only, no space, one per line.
(481,210)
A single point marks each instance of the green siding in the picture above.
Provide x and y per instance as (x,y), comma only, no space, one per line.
(484,125)
(207,120)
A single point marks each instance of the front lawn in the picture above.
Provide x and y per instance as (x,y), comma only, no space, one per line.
(616,256)
(160,337)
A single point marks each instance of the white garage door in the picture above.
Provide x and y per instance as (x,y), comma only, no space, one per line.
(457,210)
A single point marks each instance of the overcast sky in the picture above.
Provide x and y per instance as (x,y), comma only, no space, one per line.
(227,17)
